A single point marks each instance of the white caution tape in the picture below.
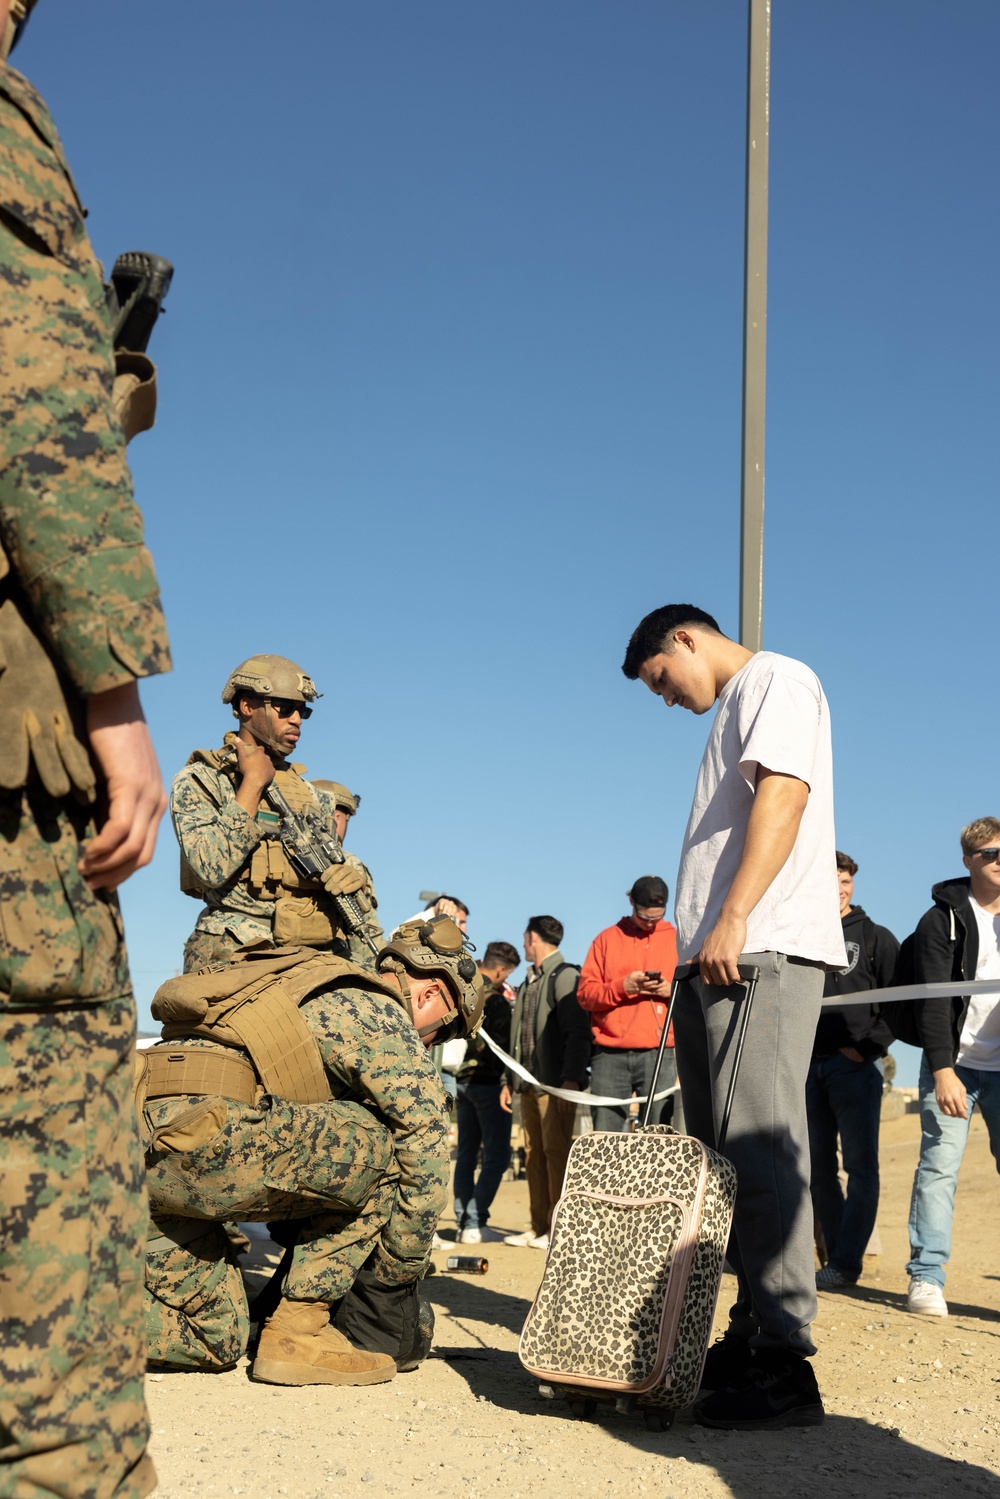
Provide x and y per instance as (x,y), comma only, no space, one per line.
(952,989)
(572,1095)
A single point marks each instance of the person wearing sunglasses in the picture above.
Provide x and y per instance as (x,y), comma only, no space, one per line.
(232,856)
(958,938)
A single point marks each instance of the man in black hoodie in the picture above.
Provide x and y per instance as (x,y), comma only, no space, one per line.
(844,1091)
(958,938)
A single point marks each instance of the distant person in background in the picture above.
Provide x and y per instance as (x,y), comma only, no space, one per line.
(844,1091)
(958,938)
(550,1037)
(483,1123)
(345,805)
(625,986)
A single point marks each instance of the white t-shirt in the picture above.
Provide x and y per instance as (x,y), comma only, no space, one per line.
(773,714)
(979,1043)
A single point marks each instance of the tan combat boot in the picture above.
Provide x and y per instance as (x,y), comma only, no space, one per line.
(299,1346)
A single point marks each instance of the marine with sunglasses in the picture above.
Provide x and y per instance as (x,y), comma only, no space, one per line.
(231,852)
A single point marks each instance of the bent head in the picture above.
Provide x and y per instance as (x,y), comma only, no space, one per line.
(675,651)
(648,898)
(440,982)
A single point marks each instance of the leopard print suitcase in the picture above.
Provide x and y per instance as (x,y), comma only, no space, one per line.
(637,1246)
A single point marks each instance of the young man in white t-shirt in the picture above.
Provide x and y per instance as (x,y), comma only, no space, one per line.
(757,884)
(959,938)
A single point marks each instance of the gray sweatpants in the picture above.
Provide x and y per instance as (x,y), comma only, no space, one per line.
(771,1247)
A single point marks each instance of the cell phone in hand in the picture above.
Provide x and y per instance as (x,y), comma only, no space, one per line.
(654,975)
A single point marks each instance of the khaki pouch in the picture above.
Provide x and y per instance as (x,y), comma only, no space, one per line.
(300,922)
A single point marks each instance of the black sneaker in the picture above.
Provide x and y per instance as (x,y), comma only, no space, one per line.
(779,1390)
(727,1363)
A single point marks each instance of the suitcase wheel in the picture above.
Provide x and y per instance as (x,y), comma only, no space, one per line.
(581,1409)
(657,1419)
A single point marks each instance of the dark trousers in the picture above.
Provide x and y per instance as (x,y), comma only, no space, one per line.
(845,1098)
(482,1124)
(618,1072)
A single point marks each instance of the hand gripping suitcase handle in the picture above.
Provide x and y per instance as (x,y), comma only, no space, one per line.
(749,974)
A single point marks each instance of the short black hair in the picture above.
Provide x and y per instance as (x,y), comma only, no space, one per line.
(500,955)
(649,637)
(547,927)
(844,861)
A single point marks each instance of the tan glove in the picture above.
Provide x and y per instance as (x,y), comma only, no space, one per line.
(343,879)
(35,723)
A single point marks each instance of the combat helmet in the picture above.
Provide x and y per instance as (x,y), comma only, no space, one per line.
(438,949)
(270,676)
(343,799)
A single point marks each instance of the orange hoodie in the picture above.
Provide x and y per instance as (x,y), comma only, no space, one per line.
(620,1019)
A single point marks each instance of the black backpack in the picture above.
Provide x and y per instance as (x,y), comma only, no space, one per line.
(900,1015)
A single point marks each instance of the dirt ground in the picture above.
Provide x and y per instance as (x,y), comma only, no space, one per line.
(913,1404)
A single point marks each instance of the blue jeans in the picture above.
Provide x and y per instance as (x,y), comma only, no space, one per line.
(844,1098)
(617,1072)
(481,1123)
(942,1145)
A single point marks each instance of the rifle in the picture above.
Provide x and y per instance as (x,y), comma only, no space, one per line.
(311,847)
(139,283)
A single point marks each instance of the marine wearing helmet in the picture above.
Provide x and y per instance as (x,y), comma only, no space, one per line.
(232,855)
(319,1104)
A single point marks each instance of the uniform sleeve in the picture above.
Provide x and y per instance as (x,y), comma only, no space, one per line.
(779,729)
(215,839)
(369,1041)
(597,989)
(69,526)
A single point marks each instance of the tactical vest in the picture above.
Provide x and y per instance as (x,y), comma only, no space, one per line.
(36,721)
(304,913)
(252,1003)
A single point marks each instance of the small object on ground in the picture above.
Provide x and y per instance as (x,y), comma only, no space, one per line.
(832,1279)
(926,1299)
(528,1240)
(467,1264)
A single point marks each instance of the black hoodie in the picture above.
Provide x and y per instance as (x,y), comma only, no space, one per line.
(871,961)
(946,946)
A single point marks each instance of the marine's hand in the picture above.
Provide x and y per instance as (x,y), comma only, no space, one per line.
(720,952)
(949,1090)
(255,765)
(126,762)
(506,1103)
(343,879)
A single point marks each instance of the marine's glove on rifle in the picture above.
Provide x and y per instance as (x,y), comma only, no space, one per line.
(343,879)
(313,849)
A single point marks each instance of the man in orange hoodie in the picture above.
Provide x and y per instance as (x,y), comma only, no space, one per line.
(625,984)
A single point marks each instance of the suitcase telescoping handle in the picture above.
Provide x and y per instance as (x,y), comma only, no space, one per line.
(749,974)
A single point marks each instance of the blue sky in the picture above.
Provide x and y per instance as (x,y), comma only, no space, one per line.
(450,397)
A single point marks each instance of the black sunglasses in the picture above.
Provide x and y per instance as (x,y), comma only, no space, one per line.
(988,855)
(284,707)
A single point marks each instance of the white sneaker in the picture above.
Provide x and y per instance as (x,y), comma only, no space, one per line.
(438,1243)
(926,1299)
(528,1240)
(470,1236)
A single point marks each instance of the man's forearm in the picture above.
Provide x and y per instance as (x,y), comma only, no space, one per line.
(772,828)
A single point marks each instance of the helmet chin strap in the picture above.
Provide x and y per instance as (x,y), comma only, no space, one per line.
(398,972)
(268,741)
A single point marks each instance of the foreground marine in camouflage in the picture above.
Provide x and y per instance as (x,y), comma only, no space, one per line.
(232,856)
(293,1085)
(80,621)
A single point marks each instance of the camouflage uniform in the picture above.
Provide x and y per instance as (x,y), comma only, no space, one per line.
(218,839)
(79,614)
(365,1175)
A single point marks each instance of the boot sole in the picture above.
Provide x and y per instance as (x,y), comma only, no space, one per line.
(272,1371)
(803,1415)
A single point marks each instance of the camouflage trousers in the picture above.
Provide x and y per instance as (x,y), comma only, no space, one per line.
(72,1416)
(330,1166)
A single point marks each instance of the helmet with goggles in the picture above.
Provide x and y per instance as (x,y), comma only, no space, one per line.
(437,949)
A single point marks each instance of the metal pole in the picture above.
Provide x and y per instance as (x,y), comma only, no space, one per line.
(755,327)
